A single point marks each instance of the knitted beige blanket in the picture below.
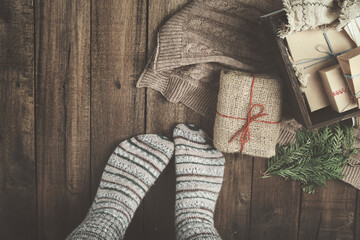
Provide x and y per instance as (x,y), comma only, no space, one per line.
(202,38)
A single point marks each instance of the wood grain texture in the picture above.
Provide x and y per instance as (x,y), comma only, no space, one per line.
(67,102)
(232,215)
(17,137)
(233,208)
(63,115)
(118,50)
(329,213)
(357,217)
(162,117)
(274,206)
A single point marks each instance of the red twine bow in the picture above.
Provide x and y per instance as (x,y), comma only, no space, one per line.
(245,130)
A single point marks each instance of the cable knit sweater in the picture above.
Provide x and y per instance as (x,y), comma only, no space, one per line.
(202,38)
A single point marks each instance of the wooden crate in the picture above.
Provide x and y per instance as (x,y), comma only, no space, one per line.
(295,101)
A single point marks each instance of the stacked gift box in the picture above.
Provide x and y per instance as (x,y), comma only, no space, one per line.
(315,54)
(322,71)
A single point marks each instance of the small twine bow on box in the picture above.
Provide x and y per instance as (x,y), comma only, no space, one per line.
(244,132)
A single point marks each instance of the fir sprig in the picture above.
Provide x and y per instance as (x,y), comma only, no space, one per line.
(316,156)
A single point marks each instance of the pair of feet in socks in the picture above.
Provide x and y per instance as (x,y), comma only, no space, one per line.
(134,167)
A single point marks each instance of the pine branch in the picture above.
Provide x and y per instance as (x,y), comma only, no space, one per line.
(316,156)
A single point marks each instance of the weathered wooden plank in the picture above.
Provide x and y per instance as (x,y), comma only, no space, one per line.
(17,141)
(233,207)
(232,216)
(118,107)
(357,217)
(329,213)
(63,114)
(274,206)
(162,117)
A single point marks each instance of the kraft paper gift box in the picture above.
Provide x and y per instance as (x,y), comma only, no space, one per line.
(350,65)
(310,45)
(337,89)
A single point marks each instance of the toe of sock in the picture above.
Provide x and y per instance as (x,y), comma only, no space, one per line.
(191,132)
(160,143)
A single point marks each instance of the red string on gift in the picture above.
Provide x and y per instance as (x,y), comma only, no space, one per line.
(245,130)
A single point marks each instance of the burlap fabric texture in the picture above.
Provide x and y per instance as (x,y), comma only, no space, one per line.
(233,111)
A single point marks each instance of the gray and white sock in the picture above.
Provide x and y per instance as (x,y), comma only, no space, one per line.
(199,175)
(131,170)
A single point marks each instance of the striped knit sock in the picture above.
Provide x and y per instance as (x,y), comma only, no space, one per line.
(131,170)
(199,176)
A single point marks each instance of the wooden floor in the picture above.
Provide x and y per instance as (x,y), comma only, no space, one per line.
(67,87)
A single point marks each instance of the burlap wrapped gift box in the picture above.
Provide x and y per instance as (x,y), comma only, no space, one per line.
(234,121)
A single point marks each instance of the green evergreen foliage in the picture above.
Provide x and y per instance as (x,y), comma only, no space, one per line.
(315,157)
